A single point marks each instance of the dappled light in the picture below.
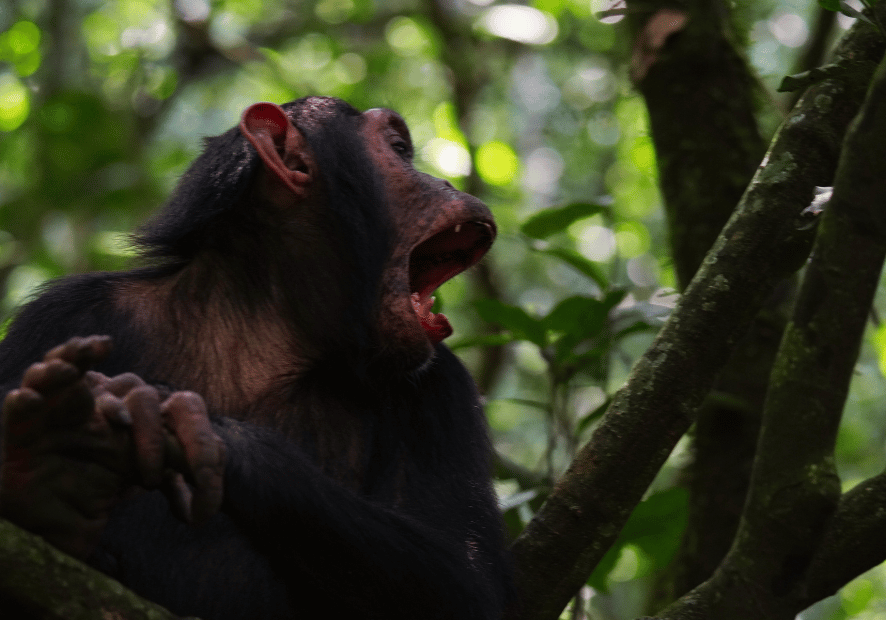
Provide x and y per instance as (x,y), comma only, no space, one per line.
(789,29)
(406,37)
(14,103)
(497,163)
(450,158)
(20,46)
(520,23)
(603,194)
(597,243)
(193,10)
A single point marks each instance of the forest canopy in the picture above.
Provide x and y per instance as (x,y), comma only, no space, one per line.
(613,142)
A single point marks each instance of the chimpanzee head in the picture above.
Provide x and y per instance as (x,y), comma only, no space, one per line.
(320,211)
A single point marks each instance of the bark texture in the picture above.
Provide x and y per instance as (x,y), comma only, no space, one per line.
(701,97)
(763,243)
(39,582)
(794,546)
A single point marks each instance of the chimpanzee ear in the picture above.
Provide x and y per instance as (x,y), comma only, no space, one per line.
(282,148)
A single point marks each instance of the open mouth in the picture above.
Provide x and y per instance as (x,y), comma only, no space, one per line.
(436,260)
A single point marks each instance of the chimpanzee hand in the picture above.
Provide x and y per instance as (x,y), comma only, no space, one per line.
(74,440)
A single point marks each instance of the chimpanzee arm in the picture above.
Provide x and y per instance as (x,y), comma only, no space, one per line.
(74,440)
(379,558)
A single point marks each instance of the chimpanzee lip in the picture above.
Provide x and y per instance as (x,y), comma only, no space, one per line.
(438,258)
(446,254)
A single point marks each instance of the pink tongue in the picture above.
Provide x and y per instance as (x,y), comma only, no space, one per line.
(436,326)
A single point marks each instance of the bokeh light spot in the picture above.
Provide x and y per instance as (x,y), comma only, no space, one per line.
(497,163)
(334,11)
(643,154)
(349,68)
(450,158)
(23,38)
(632,239)
(520,23)
(15,103)
(597,243)
(406,37)
(790,29)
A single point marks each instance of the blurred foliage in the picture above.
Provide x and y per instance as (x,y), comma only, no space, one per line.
(103,104)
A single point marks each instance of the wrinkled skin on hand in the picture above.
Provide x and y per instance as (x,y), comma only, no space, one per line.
(75,440)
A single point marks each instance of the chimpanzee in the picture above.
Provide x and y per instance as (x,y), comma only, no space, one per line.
(272,371)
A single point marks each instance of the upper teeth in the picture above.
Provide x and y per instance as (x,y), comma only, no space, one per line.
(457,227)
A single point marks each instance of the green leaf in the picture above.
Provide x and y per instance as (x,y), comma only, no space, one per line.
(549,221)
(614,297)
(829,5)
(655,526)
(512,318)
(577,315)
(662,513)
(513,523)
(488,340)
(592,362)
(635,328)
(578,319)
(578,262)
(597,580)
(849,11)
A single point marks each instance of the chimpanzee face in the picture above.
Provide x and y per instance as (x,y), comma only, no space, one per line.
(377,237)
(439,232)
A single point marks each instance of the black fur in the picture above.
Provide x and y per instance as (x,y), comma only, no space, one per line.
(417,536)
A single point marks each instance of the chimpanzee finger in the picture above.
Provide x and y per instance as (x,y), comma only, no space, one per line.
(57,379)
(185,414)
(19,408)
(180,496)
(51,376)
(112,410)
(82,352)
(95,379)
(148,433)
(121,385)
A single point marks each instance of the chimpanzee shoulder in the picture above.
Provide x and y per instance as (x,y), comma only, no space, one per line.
(77,305)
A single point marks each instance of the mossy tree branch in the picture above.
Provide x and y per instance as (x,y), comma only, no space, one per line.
(778,565)
(39,582)
(701,97)
(761,245)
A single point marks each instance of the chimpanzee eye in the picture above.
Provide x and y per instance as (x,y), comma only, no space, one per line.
(402,148)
